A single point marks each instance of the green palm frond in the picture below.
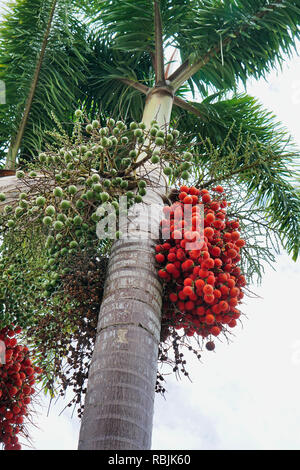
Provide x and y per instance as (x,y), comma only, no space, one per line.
(62,70)
(241,141)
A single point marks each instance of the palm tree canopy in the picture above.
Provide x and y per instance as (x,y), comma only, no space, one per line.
(103,54)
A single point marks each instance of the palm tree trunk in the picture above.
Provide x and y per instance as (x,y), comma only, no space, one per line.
(119,404)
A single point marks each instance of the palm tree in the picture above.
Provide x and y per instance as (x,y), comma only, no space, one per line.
(123,53)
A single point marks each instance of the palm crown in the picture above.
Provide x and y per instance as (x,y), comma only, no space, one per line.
(108,54)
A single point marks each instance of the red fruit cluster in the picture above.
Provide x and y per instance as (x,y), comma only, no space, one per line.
(17,377)
(203,287)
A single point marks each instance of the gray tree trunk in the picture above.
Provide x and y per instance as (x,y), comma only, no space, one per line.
(119,403)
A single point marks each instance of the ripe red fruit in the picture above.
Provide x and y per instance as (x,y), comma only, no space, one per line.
(160,258)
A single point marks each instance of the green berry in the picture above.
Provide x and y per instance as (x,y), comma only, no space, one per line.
(58,225)
(50,210)
(78,113)
(155,159)
(58,192)
(133,125)
(2,197)
(95,178)
(77,220)
(10,223)
(72,189)
(95,124)
(138,199)
(104,197)
(20,174)
(47,221)
(159,141)
(185,176)
(61,217)
(73,244)
(89,128)
(142,184)
(167,171)
(138,132)
(65,204)
(32,174)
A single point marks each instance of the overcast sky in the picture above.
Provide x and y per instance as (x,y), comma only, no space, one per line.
(244,395)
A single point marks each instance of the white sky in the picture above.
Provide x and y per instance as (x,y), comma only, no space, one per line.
(244,395)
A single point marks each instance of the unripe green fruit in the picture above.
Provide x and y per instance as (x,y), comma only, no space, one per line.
(114,140)
(187,156)
(120,124)
(138,199)
(10,223)
(95,124)
(142,184)
(95,217)
(167,171)
(153,131)
(153,122)
(185,176)
(118,234)
(185,166)
(160,133)
(142,125)
(64,251)
(116,131)
(95,178)
(2,197)
(72,189)
(77,220)
(82,149)
(124,140)
(78,113)
(155,159)
(113,172)
(132,153)
(175,133)
(103,131)
(129,194)
(47,221)
(119,180)
(115,204)
(50,210)
(90,195)
(73,244)
(8,209)
(23,196)
(58,177)
(97,188)
(107,183)
(20,174)
(110,122)
(23,204)
(133,125)
(159,141)
(42,157)
(61,217)
(138,132)
(170,138)
(89,128)
(58,225)
(142,191)
(18,211)
(59,237)
(104,197)
(58,192)
(32,174)
(124,184)
(65,204)
(125,162)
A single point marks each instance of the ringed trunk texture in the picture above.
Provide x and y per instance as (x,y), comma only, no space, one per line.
(119,404)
